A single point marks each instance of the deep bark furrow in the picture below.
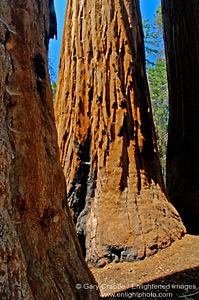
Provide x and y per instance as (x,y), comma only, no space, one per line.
(122,132)
(40,257)
(182,52)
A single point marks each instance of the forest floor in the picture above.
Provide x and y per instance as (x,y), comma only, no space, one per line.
(172,273)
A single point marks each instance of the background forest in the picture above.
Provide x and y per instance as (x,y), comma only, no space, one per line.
(157,79)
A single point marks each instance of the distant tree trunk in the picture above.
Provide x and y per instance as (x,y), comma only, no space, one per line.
(181,27)
(106,135)
(40,257)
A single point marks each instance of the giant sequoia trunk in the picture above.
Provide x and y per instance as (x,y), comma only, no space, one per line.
(181,26)
(40,257)
(106,135)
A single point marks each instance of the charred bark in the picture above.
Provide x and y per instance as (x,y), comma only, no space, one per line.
(102,97)
(40,257)
(181,27)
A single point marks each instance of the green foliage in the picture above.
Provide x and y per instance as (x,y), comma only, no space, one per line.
(157,79)
(157,27)
(54,88)
(151,44)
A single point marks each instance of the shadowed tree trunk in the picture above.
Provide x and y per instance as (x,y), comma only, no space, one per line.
(106,135)
(40,257)
(181,27)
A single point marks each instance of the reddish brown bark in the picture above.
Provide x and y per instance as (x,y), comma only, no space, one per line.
(181,27)
(106,135)
(40,257)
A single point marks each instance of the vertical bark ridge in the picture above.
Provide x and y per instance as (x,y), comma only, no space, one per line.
(182,52)
(102,88)
(40,257)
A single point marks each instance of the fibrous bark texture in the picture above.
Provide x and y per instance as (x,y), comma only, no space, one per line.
(40,257)
(181,27)
(106,135)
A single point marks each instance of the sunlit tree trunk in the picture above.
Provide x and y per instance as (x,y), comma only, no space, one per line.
(181,27)
(40,257)
(106,135)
